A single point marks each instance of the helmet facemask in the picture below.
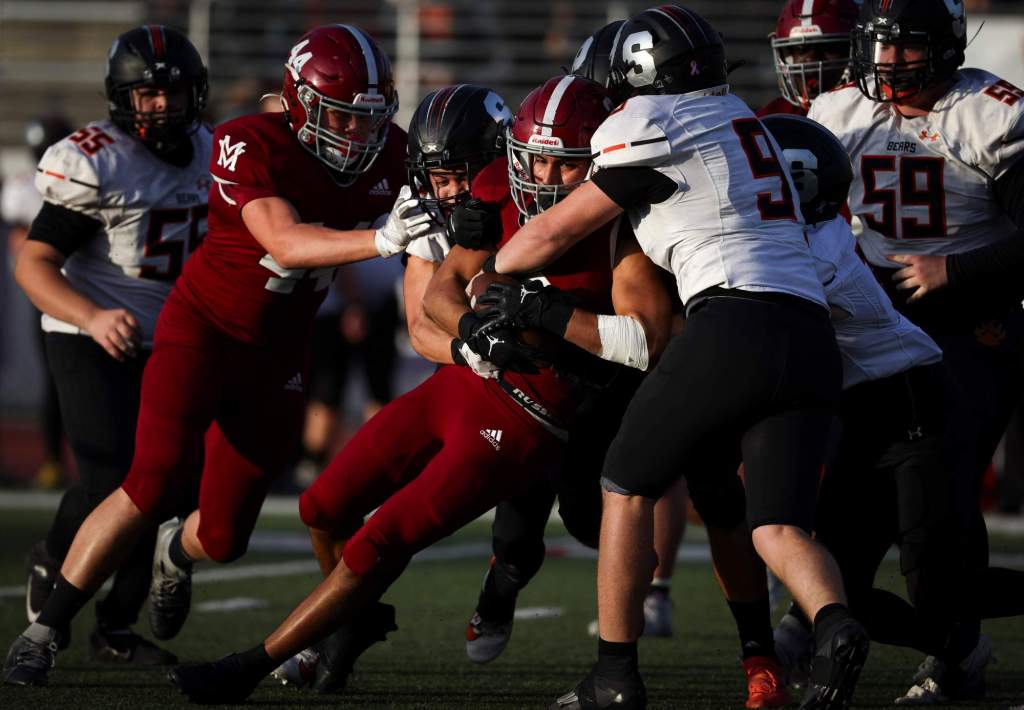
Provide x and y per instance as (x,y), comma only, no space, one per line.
(800,82)
(164,131)
(532,197)
(348,157)
(883,79)
(440,208)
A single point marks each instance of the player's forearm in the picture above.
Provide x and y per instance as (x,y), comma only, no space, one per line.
(430,341)
(445,302)
(582,331)
(307,246)
(536,245)
(50,292)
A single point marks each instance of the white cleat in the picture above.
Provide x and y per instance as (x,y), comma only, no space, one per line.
(170,591)
(794,647)
(300,670)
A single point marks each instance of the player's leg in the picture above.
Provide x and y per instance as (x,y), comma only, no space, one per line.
(518,544)
(176,400)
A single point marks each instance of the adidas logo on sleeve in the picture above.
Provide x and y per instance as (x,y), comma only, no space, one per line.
(493,437)
(295,383)
(381,188)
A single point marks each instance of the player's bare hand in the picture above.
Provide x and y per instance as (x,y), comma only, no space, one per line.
(922,272)
(117,332)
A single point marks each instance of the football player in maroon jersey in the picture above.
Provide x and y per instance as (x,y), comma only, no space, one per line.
(223,392)
(811,46)
(430,467)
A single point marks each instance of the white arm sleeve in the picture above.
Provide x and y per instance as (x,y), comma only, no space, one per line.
(623,341)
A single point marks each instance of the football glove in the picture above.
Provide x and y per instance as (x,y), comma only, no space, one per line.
(530,305)
(407,221)
(495,342)
(463,355)
(475,224)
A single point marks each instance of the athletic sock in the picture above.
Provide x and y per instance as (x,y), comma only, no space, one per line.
(497,601)
(64,602)
(177,553)
(616,659)
(754,624)
(797,613)
(257,660)
(660,585)
(826,620)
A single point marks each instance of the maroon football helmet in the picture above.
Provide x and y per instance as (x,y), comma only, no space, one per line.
(558,119)
(822,25)
(339,97)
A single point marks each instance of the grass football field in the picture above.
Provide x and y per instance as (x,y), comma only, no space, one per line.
(424,665)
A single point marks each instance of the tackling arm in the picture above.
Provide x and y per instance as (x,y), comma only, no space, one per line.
(552,232)
(428,339)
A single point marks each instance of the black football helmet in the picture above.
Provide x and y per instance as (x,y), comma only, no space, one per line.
(42,132)
(818,162)
(460,127)
(666,50)
(155,55)
(937,27)
(593,58)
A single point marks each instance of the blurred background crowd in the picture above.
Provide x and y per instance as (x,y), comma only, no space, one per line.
(51,82)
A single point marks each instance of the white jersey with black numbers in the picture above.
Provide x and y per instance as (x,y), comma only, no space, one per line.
(924,185)
(874,340)
(152,216)
(732,221)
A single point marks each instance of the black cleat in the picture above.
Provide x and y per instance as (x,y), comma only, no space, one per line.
(126,646)
(835,668)
(29,662)
(339,651)
(170,591)
(42,572)
(225,681)
(595,693)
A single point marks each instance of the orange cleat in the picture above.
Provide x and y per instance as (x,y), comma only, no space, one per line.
(765,688)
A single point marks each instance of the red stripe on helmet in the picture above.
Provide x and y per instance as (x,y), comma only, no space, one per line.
(156,40)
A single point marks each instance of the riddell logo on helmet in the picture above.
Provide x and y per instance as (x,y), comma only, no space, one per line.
(808,31)
(369,100)
(547,141)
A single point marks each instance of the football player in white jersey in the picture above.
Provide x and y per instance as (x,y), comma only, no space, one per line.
(755,375)
(125,205)
(936,203)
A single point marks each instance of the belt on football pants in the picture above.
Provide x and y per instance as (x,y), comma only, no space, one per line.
(535,409)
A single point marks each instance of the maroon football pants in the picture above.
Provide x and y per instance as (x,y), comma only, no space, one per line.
(220,411)
(430,462)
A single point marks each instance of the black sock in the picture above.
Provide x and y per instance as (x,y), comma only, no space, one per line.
(616,659)
(64,603)
(754,624)
(798,613)
(497,601)
(257,660)
(177,553)
(826,620)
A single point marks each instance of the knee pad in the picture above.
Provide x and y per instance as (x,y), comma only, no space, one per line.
(313,517)
(721,503)
(583,523)
(361,555)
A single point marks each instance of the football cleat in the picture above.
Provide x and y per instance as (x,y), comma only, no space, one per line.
(657,614)
(595,693)
(170,591)
(794,647)
(225,681)
(765,683)
(42,575)
(337,654)
(126,646)
(836,667)
(29,662)
(485,640)
(935,683)
(299,670)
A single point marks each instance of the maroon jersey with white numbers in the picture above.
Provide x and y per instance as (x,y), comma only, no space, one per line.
(585,271)
(231,280)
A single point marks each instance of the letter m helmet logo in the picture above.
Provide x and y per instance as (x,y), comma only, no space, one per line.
(229,153)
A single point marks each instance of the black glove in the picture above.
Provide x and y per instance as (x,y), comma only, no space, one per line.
(494,341)
(530,305)
(475,224)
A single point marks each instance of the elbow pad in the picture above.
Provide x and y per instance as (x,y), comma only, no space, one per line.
(623,341)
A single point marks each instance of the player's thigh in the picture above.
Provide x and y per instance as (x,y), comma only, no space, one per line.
(99,407)
(181,391)
(385,453)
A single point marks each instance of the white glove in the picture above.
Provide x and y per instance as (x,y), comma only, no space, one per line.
(406,222)
(484,368)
